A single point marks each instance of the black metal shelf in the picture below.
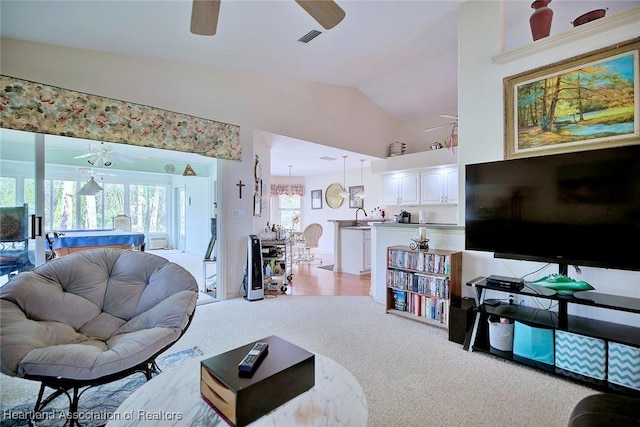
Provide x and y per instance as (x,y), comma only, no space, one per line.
(560,320)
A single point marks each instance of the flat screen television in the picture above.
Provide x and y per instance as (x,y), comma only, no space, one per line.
(580,208)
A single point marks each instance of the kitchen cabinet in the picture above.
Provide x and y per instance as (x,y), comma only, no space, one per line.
(355,250)
(439,186)
(400,188)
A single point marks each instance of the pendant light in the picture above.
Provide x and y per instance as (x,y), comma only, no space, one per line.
(289,189)
(344,193)
(91,188)
(361,194)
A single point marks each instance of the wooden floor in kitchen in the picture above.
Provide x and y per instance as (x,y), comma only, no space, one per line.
(309,279)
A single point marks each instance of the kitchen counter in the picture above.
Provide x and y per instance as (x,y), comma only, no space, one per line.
(416,225)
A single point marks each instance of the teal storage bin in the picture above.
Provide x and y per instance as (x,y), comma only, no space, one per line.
(582,355)
(533,343)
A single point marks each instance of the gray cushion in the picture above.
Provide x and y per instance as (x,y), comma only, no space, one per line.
(93,313)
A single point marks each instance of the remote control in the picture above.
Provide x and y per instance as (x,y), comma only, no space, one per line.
(252,360)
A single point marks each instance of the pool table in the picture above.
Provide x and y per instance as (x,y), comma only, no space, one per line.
(64,242)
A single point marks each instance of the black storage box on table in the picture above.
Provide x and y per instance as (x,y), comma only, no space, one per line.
(286,372)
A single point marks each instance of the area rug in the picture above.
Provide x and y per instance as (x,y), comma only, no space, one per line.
(96,406)
(326,267)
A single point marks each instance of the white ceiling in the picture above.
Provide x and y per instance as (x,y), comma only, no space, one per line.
(401,54)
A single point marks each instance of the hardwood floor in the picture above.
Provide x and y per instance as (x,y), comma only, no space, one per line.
(308,279)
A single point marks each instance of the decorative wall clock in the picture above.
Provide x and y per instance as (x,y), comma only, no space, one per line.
(332,195)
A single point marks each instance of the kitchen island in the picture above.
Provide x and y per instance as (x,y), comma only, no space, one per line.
(351,245)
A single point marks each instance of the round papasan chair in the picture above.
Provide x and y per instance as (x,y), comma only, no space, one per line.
(92,317)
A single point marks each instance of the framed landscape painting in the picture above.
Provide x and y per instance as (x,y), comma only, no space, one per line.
(587,102)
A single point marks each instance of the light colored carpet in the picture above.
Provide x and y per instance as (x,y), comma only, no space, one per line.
(411,374)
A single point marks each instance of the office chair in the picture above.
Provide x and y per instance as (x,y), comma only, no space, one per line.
(310,237)
(14,240)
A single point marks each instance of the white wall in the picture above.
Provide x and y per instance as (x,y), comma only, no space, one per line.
(481,117)
(329,115)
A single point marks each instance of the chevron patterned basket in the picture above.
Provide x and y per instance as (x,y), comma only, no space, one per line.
(624,365)
(582,355)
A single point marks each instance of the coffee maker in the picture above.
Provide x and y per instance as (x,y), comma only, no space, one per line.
(404,217)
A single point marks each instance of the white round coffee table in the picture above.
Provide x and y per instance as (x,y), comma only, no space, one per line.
(173,399)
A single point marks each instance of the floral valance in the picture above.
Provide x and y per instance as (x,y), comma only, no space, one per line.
(40,108)
(281,189)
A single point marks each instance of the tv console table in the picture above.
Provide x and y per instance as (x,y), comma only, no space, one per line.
(610,333)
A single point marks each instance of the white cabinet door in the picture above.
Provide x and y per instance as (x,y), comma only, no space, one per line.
(389,189)
(451,186)
(409,189)
(439,186)
(431,187)
(355,251)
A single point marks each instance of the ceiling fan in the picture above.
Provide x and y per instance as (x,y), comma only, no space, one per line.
(446,116)
(204,14)
(102,155)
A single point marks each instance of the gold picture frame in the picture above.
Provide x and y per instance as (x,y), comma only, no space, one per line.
(586,102)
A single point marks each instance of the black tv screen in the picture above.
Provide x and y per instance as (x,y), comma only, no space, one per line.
(579,208)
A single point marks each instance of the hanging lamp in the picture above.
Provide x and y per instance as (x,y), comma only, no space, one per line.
(344,193)
(361,194)
(289,189)
(91,188)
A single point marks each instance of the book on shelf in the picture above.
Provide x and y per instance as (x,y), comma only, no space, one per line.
(399,300)
(419,261)
(436,286)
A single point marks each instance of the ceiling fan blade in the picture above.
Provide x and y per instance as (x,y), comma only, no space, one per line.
(441,126)
(121,157)
(326,12)
(204,17)
(83,156)
(448,116)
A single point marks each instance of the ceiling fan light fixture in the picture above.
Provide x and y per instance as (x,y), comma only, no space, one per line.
(91,188)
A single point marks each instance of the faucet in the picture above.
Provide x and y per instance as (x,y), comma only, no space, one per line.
(363,211)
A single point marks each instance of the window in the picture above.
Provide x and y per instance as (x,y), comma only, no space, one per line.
(64,210)
(289,209)
(8,192)
(148,208)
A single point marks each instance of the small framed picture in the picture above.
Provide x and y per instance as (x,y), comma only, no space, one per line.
(316,199)
(354,200)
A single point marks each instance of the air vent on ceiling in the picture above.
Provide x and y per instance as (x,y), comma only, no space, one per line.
(309,36)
